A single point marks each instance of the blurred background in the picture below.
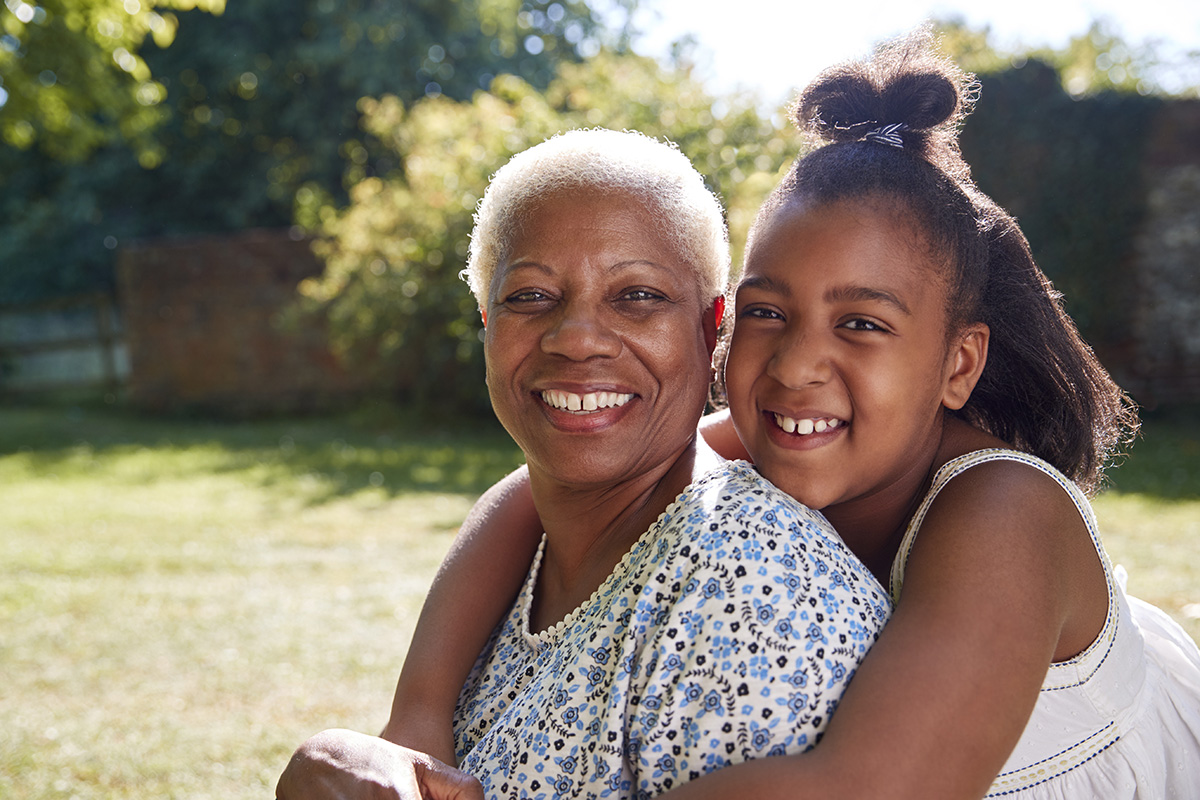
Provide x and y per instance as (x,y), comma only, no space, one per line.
(241,399)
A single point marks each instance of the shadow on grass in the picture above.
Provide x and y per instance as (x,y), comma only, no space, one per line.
(334,456)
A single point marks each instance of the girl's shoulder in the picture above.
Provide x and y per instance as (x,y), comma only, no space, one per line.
(1002,503)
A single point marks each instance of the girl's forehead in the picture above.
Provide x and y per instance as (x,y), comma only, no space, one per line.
(879,230)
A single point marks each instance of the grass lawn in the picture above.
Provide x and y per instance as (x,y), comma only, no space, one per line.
(181,603)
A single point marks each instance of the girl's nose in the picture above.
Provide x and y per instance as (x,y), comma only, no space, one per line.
(580,333)
(800,361)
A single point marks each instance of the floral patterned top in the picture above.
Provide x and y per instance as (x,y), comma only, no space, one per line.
(728,632)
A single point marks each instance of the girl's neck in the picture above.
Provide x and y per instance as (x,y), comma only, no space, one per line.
(589,529)
(873,525)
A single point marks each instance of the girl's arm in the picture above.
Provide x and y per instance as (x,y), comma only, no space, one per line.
(1002,580)
(473,589)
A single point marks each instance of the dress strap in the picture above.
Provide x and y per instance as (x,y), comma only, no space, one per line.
(955,467)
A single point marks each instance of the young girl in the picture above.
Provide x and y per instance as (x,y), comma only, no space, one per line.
(899,362)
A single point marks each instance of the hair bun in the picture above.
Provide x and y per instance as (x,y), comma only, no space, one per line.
(905,83)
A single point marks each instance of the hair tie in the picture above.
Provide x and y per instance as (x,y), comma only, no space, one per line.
(887,134)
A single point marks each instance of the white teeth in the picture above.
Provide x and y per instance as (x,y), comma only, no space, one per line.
(584,403)
(804,427)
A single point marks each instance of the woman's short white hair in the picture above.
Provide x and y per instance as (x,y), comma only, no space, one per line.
(653,172)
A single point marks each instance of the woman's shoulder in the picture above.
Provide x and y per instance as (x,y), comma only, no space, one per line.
(738,524)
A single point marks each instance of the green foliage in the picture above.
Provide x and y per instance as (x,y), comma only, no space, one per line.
(391,289)
(259,102)
(73,78)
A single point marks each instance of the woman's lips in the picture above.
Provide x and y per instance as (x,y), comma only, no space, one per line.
(584,403)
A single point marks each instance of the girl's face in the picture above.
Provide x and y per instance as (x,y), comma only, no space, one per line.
(839,365)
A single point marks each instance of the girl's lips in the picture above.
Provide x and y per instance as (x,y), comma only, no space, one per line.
(802,433)
(805,426)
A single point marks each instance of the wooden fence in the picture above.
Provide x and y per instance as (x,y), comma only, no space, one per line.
(71,343)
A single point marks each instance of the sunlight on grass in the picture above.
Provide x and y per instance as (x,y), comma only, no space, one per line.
(182,603)
(176,617)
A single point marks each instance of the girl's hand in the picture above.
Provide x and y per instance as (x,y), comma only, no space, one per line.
(342,764)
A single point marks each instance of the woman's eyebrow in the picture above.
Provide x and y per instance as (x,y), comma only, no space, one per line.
(865,293)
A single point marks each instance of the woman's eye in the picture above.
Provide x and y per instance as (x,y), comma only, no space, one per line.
(527,296)
(641,294)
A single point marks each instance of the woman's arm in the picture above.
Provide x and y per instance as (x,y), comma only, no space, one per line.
(934,710)
(717,430)
(473,589)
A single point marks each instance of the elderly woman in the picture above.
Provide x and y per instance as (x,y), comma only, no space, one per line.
(681,613)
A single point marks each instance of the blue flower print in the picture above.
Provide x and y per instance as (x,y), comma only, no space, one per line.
(760,736)
(712,588)
(798,679)
(837,672)
(792,583)
(797,705)
(765,612)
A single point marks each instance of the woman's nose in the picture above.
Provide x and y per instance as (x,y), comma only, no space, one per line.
(581,333)
(800,361)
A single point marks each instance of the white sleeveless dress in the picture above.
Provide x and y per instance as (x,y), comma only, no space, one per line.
(1121,719)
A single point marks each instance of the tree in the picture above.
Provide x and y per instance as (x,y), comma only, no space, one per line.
(73,79)
(391,291)
(257,103)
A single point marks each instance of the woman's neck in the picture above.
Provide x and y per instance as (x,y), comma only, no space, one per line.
(590,529)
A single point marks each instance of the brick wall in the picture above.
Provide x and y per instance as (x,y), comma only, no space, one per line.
(202,321)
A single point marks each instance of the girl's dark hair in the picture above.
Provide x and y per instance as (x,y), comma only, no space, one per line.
(890,128)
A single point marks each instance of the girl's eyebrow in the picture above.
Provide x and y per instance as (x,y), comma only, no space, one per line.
(865,293)
(842,294)
(766,283)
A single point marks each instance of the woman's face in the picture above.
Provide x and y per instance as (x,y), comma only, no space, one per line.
(598,343)
(838,365)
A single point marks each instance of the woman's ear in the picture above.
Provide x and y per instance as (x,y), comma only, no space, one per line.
(712,323)
(965,363)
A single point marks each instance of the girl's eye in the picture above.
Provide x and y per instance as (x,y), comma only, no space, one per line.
(760,312)
(862,325)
